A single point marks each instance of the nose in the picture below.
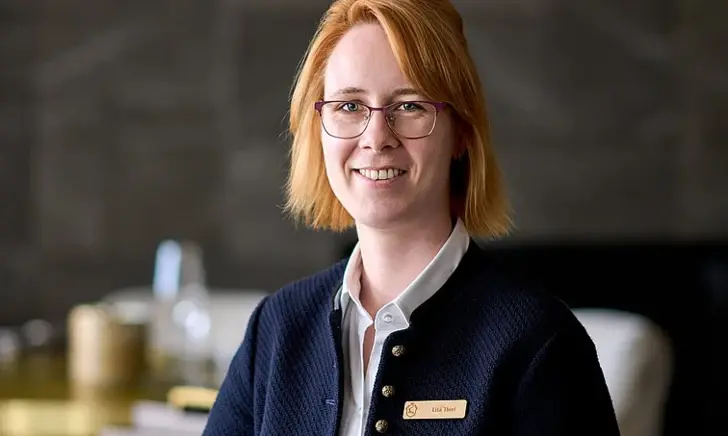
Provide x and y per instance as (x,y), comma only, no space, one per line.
(378,136)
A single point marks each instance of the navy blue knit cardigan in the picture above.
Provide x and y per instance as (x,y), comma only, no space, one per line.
(520,358)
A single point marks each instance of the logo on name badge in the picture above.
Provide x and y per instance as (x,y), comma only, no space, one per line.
(410,410)
(435,409)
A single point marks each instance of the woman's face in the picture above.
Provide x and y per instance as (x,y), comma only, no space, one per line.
(380,178)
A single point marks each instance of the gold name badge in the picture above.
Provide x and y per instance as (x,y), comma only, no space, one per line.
(437,409)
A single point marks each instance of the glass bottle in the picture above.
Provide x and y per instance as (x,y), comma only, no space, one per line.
(180,341)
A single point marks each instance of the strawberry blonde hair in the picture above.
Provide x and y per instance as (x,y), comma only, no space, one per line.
(431,50)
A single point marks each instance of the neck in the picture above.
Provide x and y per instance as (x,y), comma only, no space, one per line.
(392,258)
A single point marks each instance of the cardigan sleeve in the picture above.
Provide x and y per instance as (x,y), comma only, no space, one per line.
(564,392)
(232,413)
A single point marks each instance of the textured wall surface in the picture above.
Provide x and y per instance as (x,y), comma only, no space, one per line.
(122,123)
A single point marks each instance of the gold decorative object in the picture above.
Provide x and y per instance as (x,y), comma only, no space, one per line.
(25,417)
(103,349)
(192,397)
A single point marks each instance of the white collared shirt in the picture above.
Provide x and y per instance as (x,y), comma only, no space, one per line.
(390,318)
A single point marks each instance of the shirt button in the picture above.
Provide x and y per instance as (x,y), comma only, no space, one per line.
(398,350)
(387,318)
(388,391)
(382,425)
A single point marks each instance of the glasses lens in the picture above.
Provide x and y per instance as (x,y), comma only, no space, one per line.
(344,119)
(412,119)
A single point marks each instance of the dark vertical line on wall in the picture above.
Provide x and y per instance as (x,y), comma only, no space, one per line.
(18,107)
(17,103)
(225,77)
(690,153)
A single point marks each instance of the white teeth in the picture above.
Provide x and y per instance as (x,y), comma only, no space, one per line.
(381,174)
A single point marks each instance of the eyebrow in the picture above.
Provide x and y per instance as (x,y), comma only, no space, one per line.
(353,90)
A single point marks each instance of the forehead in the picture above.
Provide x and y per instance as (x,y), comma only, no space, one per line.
(364,59)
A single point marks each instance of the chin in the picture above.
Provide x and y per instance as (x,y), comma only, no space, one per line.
(379,217)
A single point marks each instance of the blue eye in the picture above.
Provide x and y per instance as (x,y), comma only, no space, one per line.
(349,106)
(409,107)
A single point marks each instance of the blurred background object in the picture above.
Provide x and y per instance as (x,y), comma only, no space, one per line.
(103,349)
(126,127)
(637,359)
(180,321)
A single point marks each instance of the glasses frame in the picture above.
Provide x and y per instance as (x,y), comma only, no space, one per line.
(438,105)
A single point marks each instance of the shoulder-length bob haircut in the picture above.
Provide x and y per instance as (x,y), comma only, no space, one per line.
(428,41)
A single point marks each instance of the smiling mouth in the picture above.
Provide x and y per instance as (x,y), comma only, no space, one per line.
(387,174)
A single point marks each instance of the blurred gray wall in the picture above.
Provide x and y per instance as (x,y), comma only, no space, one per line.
(122,123)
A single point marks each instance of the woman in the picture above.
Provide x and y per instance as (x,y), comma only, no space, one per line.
(416,333)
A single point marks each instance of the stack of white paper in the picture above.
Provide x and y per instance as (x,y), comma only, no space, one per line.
(117,431)
(151,418)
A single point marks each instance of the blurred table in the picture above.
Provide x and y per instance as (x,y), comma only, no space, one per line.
(37,398)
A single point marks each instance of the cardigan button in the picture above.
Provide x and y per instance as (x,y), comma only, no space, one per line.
(398,350)
(382,425)
(388,391)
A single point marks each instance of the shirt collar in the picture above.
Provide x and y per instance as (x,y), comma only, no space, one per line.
(424,286)
(351,284)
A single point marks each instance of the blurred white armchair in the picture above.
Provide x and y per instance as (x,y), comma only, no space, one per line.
(637,360)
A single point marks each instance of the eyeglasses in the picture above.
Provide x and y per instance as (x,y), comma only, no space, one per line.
(407,119)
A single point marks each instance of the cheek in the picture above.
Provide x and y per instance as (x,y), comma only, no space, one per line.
(443,151)
(336,153)
(434,158)
(336,150)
